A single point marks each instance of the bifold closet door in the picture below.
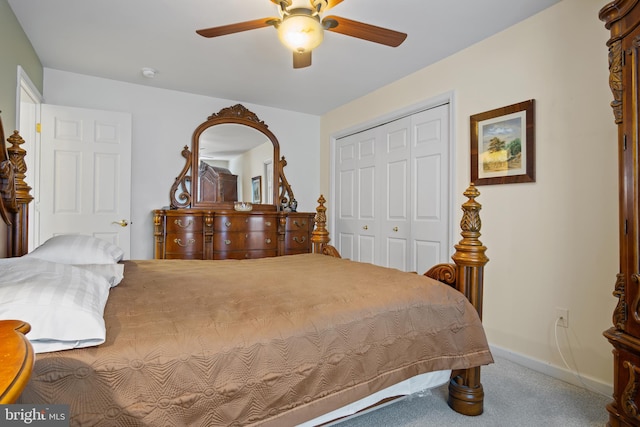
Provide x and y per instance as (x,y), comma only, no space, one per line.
(431,192)
(392,189)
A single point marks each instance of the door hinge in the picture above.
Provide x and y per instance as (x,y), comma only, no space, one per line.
(38,127)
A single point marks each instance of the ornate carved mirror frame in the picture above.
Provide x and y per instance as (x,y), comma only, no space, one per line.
(183,193)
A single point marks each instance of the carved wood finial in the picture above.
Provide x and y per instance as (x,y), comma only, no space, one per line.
(470,250)
(320,235)
(16,155)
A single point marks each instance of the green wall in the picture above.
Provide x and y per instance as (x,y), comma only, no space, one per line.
(15,49)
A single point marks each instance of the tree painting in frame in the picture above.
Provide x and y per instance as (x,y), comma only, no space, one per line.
(503,145)
(256,189)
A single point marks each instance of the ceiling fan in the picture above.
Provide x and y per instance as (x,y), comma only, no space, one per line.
(301,28)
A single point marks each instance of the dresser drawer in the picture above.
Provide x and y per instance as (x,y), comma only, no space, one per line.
(184,223)
(184,243)
(297,242)
(245,223)
(245,254)
(302,223)
(229,241)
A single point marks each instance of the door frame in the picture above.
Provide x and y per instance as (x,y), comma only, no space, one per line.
(437,101)
(26,88)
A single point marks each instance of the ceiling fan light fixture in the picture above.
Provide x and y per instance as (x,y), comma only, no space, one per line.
(301,32)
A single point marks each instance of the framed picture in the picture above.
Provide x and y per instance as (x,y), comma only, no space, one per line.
(256,189)
(503,145)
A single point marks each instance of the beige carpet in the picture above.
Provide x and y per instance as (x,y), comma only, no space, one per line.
(514,396)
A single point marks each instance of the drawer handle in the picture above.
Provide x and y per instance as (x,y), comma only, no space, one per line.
(178,222)
(267,240)
(227,224)
(297,224)
(227,242)
(189,242)
(300,240)
(268,223)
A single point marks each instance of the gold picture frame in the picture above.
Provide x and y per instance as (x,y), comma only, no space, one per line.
(503,145)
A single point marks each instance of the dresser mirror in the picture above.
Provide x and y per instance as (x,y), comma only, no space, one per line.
(234,157)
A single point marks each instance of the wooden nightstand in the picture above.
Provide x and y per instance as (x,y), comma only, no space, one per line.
(16,359)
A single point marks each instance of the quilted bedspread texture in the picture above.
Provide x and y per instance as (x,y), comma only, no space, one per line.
(271,342)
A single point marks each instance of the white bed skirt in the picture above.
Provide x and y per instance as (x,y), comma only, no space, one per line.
(405,388)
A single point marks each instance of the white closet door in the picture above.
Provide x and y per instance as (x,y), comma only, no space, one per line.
(394,140)
(356,207)
(393,192)
(431,189)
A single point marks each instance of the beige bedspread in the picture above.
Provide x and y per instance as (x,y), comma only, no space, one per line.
(273,341)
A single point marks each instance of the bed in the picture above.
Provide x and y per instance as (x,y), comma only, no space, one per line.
(272,342)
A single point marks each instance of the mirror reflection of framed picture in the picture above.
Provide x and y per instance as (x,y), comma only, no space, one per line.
(503,145)
(256,189)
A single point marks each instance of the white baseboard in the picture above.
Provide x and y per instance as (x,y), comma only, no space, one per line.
(554,371)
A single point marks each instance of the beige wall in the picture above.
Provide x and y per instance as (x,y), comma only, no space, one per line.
(15,49)
(552,243)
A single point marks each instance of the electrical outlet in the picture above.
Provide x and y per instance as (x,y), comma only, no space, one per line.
(562,317)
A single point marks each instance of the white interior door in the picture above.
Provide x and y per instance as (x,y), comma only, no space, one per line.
(85,174)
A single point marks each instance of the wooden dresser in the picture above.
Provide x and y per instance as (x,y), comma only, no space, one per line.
(223,234)
(622,18)
(201,221)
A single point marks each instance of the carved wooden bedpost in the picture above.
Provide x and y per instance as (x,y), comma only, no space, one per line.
(15,193)
(466,394)
(320,235)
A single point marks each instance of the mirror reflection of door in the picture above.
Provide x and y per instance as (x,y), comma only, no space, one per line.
(229,156)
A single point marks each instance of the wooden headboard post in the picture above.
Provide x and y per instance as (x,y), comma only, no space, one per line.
(15,193)
(466,394)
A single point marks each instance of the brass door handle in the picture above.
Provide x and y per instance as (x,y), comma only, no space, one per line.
(366,227)
(121,223)
(395,229)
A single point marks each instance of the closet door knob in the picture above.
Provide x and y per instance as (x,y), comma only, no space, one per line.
(395,229)
(366,227)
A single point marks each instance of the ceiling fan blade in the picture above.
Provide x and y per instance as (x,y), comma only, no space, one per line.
(238,27)
(363,31)
(301,59)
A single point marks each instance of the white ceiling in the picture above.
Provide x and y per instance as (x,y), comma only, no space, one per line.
(115,39)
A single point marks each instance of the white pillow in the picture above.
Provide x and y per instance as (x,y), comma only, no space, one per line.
(63,304)
(78,249)
(113,273)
